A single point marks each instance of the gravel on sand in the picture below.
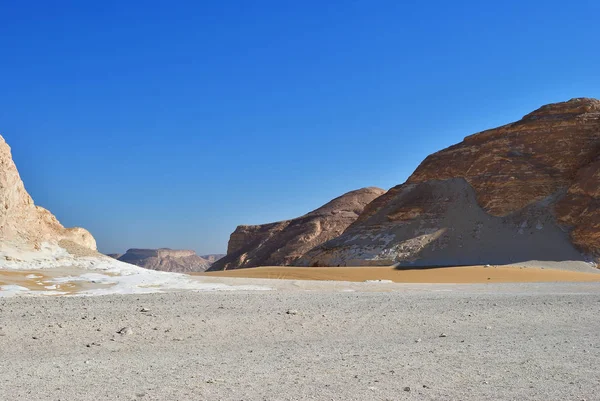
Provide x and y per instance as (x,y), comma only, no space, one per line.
(500,342)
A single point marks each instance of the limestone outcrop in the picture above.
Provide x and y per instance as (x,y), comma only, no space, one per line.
(282,243)
(529,190)
(27,226)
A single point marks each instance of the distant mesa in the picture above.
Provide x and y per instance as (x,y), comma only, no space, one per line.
(282,243)
(169,260)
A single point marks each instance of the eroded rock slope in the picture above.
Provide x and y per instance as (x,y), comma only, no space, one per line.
(282,243)
(529,190)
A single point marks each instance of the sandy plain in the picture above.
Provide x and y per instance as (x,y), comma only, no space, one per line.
(462,274)
(406,342)
(306,340)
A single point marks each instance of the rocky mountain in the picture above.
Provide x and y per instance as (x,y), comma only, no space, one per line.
(282,243)
(164,259)
(529,190)
(31,238)
(30,235)
(25,227)
(212,258)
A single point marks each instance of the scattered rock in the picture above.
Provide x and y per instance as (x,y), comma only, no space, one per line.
(125,331)
(292,312)
(443,335)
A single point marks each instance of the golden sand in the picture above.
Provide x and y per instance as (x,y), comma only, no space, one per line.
(467,274)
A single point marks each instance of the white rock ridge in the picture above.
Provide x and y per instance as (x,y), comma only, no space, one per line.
(24,223)
(32,239)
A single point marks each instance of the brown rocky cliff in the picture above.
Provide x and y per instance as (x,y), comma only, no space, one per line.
(520,163)
(282,243)
(550,159)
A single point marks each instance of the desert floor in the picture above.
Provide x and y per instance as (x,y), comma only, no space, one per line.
(307,340)
(467,274)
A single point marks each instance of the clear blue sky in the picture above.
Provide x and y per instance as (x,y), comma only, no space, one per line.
(166,124)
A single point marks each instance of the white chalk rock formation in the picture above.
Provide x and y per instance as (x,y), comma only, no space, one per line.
(27,226)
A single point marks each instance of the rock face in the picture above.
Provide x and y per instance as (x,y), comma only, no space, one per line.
(169,260)
(529,190)
(27,226)
(212,258)
(282,243)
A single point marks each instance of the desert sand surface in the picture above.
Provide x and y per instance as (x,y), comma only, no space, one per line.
(417,342)
(76,281)
(106,279)
(466,274)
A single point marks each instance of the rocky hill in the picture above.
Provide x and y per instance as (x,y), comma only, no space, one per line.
(212,258)
(529,190)
(282,243)
(180,261)
(31,236)
(25,227)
